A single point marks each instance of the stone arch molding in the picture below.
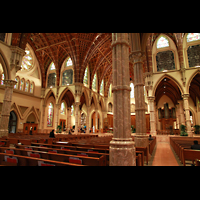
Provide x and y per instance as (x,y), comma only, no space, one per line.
(190,80)
(170,77)
(24,115)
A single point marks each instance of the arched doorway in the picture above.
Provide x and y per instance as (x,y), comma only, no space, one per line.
(12,126)
(167,97)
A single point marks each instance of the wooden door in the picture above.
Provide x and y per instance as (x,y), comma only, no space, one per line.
(62,123)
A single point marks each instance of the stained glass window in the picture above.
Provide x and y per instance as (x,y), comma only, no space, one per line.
(67,77)
(85,79)
(94,82)
(52,66)
(27,61)
(50,115)
(26,86)
(62,109)
(21,84)
(193,36)
(72,110)
(193,55)
(132,90)
(101,87)
(165,61)
(69,62)
(110,91)
(31,88)
(51,80)
(2,78)
(162,42)
(17,84)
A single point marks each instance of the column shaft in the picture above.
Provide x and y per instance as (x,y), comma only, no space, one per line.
(122,149)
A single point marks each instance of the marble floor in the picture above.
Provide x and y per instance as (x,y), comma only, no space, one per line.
(164,155)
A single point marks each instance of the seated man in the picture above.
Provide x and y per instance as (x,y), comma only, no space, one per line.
(195,145)
(150,138)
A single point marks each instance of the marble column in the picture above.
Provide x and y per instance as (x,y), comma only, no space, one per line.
(76,116)
(122,148)
(187,114)
(5,113)
(181,113)
(152,115)
(141,139)
(68,118)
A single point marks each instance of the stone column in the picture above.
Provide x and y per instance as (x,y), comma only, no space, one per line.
(57,114)
(15,65)
(5,114)
(96,120)
(76,116)
(136,57)
(87,121)
(122,148)
(43,117)
(181,113)
(79,121)
(177,116)
(68,118)
(152,115)
(187,114)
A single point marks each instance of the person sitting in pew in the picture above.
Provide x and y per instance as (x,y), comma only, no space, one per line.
(51,135)
(150,138)
(195,145)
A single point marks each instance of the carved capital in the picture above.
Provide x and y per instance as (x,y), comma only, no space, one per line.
(185,96)
(9,83)
(16,58)
(151,98)
(137,56)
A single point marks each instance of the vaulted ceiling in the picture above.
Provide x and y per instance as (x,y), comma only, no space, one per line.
(92,49)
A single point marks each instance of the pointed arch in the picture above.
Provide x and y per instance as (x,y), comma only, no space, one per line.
(48,95)
(190,80)
(5,65)
(86,97)
(170,77)
(34,113)
(62,95)
(94,99)
(102,103)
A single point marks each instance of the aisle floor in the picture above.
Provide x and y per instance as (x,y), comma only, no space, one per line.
(164,155)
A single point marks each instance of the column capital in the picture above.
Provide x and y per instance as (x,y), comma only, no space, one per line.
(151,98)
(77,103)
(9,83)
(137,57)
(185,96)
(16,58)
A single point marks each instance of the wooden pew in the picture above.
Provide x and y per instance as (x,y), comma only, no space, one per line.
(31,161)
(189,154)
(4,143)
(85,160)
(145,150)
(138,160)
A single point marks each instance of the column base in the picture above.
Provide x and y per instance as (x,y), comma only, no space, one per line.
(141,140)
(190,134)
(153,133)
(122,152)
(3,132)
